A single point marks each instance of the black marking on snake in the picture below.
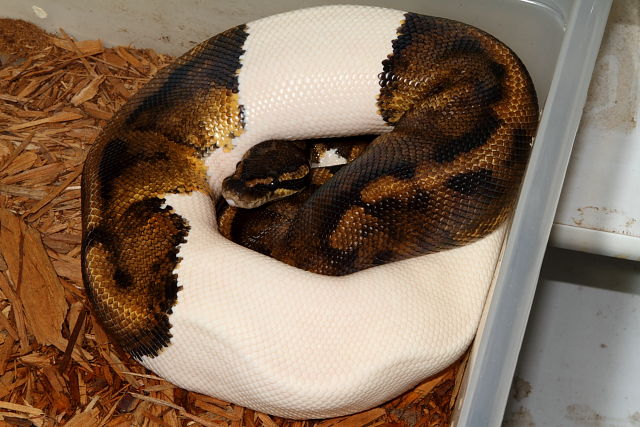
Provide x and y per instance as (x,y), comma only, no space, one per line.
(491,93)
(419,201)
(123,279)
(155,267)
(522,139)
(165,285)
(521,147)
(153,340)
(414,25)
(498,70)
(420,26)
(466,45)
(113,163)
(290,184)
(221,58)
(448,149)
(474,182)
(386,212)
(217,64)
(98,235)
(384,257)
(116,159)
(404,169)
(93,237)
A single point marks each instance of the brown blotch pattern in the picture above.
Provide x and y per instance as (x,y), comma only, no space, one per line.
(153,147)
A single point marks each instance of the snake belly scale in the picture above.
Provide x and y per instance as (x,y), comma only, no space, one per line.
(425,204)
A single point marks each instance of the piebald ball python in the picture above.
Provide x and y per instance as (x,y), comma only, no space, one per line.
(425,204)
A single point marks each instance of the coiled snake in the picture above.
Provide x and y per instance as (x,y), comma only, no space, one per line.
(426,203)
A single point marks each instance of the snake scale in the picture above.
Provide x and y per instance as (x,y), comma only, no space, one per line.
(454,111)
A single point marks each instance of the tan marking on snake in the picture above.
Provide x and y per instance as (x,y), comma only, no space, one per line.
(301,172)
(345,236)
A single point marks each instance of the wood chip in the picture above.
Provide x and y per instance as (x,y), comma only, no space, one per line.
(35,359)
(69,269)
(11,98)
(359,419)
(20,408)
(56,192)
(20,191)
(94,111)
(212,409)
(266,420)
(40,175)
(87,92)
(85,419)
(38,285)
(20,163)
(157,401)
(86,47)
(63,116)
(127,56)
(6,325)
(9,161)
(7,288)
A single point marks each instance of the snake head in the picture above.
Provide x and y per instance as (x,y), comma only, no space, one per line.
(269,171)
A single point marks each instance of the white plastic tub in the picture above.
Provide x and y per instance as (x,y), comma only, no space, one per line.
(557,40)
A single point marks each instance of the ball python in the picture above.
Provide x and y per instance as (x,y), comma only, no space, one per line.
(312,330)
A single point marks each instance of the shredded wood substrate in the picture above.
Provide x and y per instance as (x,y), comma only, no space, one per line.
(57,366)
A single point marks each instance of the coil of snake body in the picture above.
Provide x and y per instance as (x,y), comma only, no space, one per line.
(425,204)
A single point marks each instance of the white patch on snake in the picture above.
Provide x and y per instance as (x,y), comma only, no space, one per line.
(310,73)
(329,158)
(301,345)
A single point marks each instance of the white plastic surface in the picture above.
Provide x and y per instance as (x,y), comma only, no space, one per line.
(579,363)
(599,211)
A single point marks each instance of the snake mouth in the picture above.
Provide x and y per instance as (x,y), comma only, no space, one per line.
(251,200)
(249,195)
